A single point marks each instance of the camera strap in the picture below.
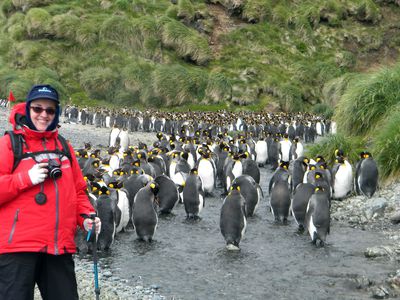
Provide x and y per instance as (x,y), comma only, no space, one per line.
(17,142)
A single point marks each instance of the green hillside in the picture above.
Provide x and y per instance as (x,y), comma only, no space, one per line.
(260,53)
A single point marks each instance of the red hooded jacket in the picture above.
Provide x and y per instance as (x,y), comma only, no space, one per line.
(26,226)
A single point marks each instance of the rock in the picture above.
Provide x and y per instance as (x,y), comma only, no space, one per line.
(375,208)
(379,251)
(362,282)
(107,274)
(395,218)
(380,292)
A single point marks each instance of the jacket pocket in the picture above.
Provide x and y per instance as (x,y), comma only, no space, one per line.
(13,226)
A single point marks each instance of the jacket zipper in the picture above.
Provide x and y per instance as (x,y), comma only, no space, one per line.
(57,208)
(13,226)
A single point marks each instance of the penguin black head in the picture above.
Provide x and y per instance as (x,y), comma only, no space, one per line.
(88,146)
(194,171)
(319,189)
(339,160)
(142,155)
(323,166)
(234,187)
(136,170)
(104,191)
(318,175)
(366,154)
(284,165)
(96,163)
(339,152)
(319,158)
(154,187)
(312,167)
(115,184)
(159,135)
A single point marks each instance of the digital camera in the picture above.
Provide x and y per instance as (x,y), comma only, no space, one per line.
(54,169)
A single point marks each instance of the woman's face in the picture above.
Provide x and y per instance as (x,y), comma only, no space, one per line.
(42,113)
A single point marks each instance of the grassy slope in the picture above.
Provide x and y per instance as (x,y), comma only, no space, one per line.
(140,53)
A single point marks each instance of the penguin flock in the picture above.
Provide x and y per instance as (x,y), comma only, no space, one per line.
(131,185)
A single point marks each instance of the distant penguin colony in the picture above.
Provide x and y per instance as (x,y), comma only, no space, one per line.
(198,155)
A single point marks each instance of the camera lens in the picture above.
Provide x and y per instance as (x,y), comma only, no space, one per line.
(54,169)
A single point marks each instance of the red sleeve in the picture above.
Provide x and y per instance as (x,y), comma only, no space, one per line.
(12,184)
(83,203)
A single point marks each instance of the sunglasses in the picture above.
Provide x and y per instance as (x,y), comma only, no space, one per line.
(50,111)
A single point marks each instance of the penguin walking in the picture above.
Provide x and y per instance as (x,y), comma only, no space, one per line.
(301,196)
(280,199)
(318,217)
(281,173)
(284,148)
(342,176)
(207,171)
(123,140)
(297,169)
(168,195)
(251,192)
(144,214)
(250,167)
(193,195)
(122,209)
(261,149)
(366,177)
(233,218)
(106,211)
(114,140)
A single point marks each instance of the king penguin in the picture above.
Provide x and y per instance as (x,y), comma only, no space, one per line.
(144,214)
(261,152)
(193,195)
(318,217)
(301,196)
(251,192)
(342,177)
(168,195)
(280,198)
(233,218)
(366,177)
(207,170)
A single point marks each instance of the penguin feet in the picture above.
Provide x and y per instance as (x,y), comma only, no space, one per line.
(319,243)
(300,229)
(232,247)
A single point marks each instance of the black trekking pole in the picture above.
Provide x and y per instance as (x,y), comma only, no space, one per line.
(94,252)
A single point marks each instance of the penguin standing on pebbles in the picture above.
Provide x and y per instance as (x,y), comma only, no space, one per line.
(301,196)
(193,195)
(342,176)
(318,217)
(144,214)
(233,218)
(366,177)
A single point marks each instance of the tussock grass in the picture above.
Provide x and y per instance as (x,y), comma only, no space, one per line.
(186,42)
(185,10)
(65,26)
(334,89)
(351,147)
(99,82)
(387,144)
(219,88)
(367,99)
(178,85)
(37,22)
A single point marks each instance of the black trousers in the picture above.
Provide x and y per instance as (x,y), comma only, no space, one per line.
(54,275)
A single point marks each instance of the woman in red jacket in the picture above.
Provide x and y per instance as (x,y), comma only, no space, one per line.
(42,201)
